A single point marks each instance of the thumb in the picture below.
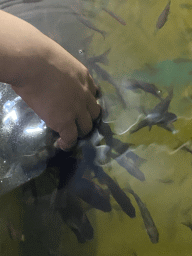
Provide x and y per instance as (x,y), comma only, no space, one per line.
(59,143)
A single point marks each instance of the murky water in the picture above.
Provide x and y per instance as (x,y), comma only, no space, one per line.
(140,51)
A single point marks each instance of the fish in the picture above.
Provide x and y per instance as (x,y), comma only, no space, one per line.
(147,219)
(113,143)
(96,137)
(163,16)
(103,155)
(102,73)
(105,130)
(118,194)
(112,14)
(167,121)
(119,146)
(166,181)
(147,87)
(187,149)
(85,21)
(107,107)
(159,115)
(14,234)
(186,6)
(135,158)
(102,58)
(130,165)
(90,25)
(71,212)
(92,194)
(163,106)
(141,124)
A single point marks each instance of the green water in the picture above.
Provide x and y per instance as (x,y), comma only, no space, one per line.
(136,52)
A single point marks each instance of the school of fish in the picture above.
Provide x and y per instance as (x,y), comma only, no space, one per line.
(85,179)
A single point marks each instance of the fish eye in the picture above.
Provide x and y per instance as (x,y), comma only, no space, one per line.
(159,91)
(81,51)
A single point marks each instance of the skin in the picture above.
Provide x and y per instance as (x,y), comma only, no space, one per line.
(49,79)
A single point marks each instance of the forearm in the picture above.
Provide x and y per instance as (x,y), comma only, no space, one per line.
(22,47)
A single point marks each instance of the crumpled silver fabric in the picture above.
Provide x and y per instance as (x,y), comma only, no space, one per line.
(22,133)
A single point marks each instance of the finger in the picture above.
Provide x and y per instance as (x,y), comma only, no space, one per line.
(84,123)
(68,137)
(94,89)
(93,108)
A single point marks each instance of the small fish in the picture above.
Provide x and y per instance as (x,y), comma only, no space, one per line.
(168,118)
(130,165)
(119,19)
(106,77)
(102,58)
(107,107)
(181,60)
(135,158)
(167,121)
(118,194)
(187,149)
(163,16)
(119,146)
(103,154)
(77,11)
(96,138)
(90,25)
(166,181)
(150,88)
(92,194)
(105,130)
(141,124)
(71,211)
(159,115)
(81,51)
(163,106)
(148,221)
(186,6)
(14,233)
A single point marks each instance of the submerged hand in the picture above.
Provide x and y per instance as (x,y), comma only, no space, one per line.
(50,80)
(63,95)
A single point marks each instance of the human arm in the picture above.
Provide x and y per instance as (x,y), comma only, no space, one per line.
(49,79)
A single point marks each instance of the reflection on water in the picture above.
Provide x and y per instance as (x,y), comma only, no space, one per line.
(139,52)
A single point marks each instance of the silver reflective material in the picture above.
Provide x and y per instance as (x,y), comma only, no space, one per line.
(22,133)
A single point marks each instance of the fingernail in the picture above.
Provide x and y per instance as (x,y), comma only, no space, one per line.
(59,144)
